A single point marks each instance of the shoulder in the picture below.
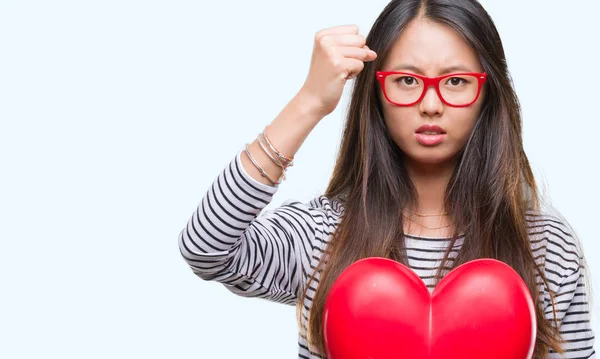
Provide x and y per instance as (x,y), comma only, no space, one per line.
(549,228)
(324,210)
(318,204)
(332,206)
(317,214)
(555,244)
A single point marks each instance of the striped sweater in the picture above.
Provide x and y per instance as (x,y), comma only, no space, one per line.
(271,254)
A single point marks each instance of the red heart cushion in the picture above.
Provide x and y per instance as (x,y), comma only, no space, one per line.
(380,309)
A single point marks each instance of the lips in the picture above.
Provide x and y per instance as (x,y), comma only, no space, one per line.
(430,135)
(431,130)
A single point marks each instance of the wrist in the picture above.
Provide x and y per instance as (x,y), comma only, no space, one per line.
(310,105)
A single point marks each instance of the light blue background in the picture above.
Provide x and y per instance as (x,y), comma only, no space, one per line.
(116,118)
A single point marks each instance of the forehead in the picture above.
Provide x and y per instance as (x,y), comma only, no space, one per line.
(432,47)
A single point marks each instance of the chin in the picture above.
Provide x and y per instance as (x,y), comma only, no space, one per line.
(429,160)
(430,156)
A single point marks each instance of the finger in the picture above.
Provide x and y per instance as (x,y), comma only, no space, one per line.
(371,51)
(363,54)
(344,29)
(345,40)
(353,67)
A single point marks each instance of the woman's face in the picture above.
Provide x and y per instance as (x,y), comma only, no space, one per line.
(429,49)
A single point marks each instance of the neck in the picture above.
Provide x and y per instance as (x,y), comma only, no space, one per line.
(430,181)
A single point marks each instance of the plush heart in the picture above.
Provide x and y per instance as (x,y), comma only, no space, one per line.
(380,309)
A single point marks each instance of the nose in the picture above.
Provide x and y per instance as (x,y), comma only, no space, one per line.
(431,104)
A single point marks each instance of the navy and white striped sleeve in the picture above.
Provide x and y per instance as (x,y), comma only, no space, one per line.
(565,270)
(254,253)
(574,315)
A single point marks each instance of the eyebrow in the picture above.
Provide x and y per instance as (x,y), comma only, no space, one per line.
(446,70)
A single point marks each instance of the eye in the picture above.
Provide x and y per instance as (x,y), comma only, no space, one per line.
(406,80)
(456,81)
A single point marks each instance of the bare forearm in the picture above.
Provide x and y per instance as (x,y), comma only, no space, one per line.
(287,132)
(339,54)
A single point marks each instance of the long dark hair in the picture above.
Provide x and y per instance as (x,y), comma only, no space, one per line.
(490,191)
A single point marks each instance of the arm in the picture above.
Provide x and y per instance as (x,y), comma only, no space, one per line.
(574,316)
(253,254)
(226,240)
(567,276)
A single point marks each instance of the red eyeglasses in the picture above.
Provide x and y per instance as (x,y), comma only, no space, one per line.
(456,90)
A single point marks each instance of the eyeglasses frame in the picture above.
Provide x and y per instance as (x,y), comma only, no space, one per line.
(432,81)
